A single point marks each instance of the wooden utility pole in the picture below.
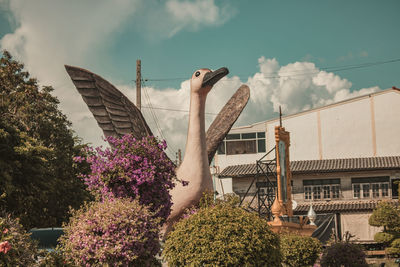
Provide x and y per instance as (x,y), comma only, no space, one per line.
(179,157)
(138,84)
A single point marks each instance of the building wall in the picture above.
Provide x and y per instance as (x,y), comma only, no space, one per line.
(357,224)
(366,126)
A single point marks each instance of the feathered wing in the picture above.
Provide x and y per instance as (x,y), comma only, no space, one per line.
(114,112)
(225,119)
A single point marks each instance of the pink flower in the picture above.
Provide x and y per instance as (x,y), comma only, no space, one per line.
(5,231)
(5,247)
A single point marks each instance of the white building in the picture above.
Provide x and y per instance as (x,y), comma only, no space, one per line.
(354,145)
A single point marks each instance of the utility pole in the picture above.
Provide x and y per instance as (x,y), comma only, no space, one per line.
(179,157)
(138,84)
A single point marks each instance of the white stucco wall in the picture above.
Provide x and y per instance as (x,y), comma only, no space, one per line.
(387,124)
(346,130)
(357,224)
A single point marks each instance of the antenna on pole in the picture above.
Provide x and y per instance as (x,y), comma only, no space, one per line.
(138,84)
(280,116)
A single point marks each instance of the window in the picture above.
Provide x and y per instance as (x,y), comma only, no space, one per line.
(356,190)
(316,192)
(307,192)
(365,188)
(327,191)
(385,190)
(335,191)
(375,190)
(321,189)
(370,187)
(395,188)
(243,143)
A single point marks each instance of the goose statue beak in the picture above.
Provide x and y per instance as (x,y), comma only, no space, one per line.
(212,77)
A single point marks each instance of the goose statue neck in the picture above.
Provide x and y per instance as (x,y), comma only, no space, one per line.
(194,168)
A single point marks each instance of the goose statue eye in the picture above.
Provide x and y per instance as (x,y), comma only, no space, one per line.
(197,74)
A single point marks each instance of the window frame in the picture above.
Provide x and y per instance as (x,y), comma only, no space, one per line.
(371,193)
(309,192)
(259,138)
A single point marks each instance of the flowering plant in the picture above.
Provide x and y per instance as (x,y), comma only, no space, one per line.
(16,246)
(115,232)
(132,168)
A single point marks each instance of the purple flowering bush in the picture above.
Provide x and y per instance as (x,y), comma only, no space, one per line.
(135,169)
(115,232)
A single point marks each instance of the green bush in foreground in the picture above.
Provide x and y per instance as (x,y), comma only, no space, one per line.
(16,246)
(222,235)
(299,251)
(343,254)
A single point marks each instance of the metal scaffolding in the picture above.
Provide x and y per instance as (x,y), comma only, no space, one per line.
(265,183)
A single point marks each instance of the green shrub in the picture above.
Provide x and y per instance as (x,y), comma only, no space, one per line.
(383,237)
(299,251)
(387,215)
(344,254)
(222,235)
(394,247)
(16,246)
(118,232)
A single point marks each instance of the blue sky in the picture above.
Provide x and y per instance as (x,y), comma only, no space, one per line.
(254,39)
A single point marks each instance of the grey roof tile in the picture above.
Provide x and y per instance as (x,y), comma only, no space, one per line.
(322,166)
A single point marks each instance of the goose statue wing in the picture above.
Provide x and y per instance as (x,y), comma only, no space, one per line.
(114,112)
(225,119)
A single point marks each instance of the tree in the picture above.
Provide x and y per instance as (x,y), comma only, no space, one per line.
(387,215)
(37,146)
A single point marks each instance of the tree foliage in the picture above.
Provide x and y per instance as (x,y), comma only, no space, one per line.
(38,176)
(300,251)
(222,234)
(387,215)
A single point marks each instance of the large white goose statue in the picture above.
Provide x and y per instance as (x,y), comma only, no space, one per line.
(117,115)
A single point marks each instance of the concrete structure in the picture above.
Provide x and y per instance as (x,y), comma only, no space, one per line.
(343,153)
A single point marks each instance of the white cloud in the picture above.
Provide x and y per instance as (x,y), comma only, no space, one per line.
(159,20)
(193,14)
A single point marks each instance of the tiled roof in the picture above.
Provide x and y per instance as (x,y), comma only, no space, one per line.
(322,166)
(337,206)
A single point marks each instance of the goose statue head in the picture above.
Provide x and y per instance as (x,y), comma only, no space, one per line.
(203,80)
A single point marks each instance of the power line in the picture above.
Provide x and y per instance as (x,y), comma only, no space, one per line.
(153,114)
(278,76)
(177,110)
